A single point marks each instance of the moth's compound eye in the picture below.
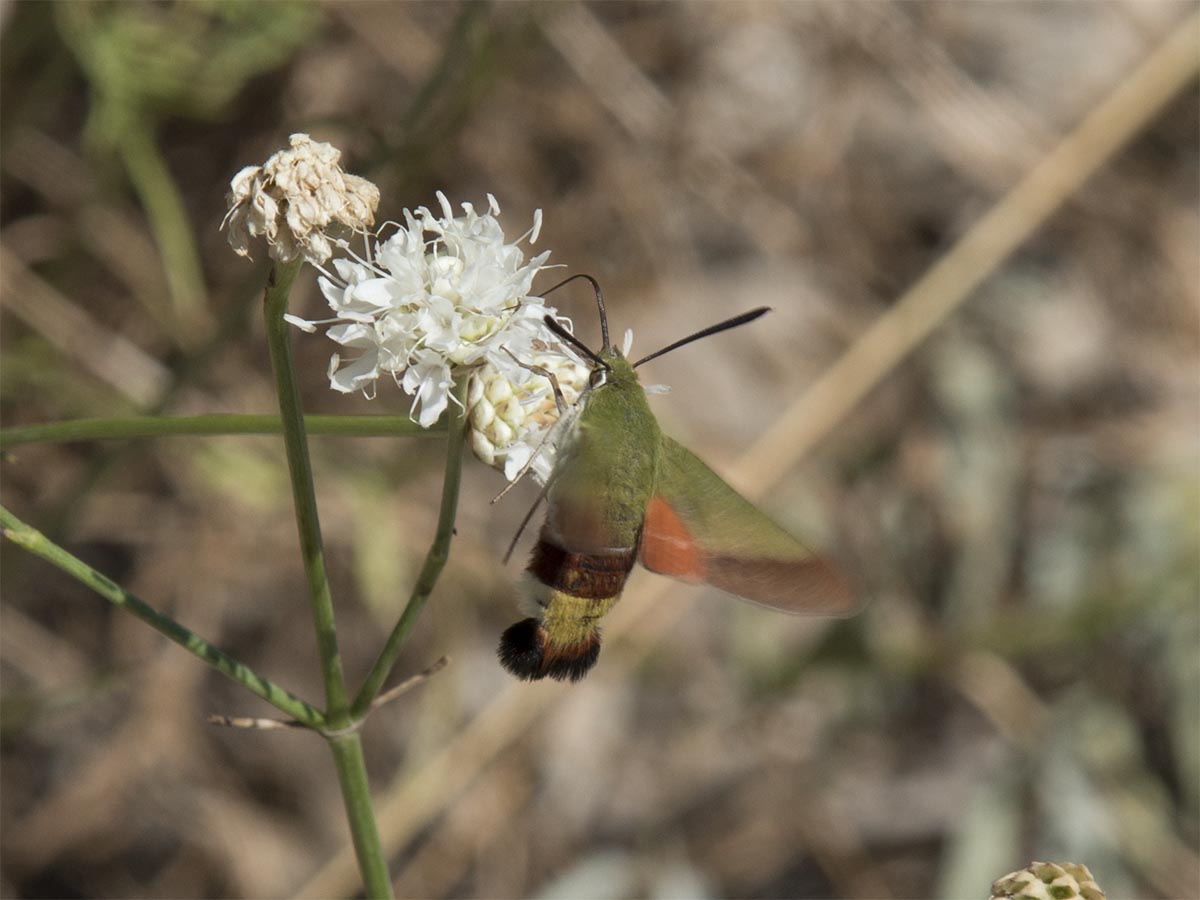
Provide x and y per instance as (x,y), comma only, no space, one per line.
(598,377)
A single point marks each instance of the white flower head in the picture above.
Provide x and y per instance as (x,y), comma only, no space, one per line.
(447,297)
(298,200)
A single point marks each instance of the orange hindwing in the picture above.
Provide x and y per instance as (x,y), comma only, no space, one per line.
(667,544)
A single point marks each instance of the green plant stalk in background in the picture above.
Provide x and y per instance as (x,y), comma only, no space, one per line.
(38,544)
(435,559)
(212,425)
(167,215)
(341,731)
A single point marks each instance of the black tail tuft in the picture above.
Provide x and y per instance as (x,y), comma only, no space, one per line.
(522,647)
(525,651)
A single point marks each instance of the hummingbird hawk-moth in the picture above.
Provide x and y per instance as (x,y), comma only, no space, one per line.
(623,492)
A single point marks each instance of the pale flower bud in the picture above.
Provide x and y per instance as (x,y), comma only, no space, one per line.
(1048,881)
(510,422)
(295,199)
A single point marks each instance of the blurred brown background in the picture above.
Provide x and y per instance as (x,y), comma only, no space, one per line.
(1018,496)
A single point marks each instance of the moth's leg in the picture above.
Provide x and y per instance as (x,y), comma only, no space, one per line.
(559,400)
(525,521)
(525,468)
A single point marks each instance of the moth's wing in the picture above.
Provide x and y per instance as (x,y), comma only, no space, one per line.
(699,529)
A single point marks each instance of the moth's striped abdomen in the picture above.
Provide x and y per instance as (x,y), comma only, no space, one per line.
(573,591)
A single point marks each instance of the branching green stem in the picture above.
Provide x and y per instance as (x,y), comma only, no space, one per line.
(435,559)
(217,424)
(38,544)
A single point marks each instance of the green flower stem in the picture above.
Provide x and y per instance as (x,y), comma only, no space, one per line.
(340,731)
(352,776)
(435,559)
(38,544)
(304,496)
(217,424)
(159,193)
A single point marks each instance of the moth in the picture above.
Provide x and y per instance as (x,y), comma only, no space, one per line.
(622,492)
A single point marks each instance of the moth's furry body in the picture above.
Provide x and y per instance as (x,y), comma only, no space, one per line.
(589,540)
(622,492)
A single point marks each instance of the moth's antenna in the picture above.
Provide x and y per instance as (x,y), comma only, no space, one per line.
(711,329)
(599,303)
(554,325)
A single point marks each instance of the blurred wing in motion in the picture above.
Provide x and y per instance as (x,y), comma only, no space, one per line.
(699,529)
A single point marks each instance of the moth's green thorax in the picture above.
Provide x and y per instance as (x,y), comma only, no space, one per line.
(609,464)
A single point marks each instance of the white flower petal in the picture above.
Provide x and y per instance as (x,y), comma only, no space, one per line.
(376,292)
(515,460)
(302,324)
(353,334)
(357,375)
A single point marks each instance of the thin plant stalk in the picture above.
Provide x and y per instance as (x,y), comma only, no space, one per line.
(342,733)
(304,495)
(356,795)
(167,215)
(214,424)
(435,559)
(38,544)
